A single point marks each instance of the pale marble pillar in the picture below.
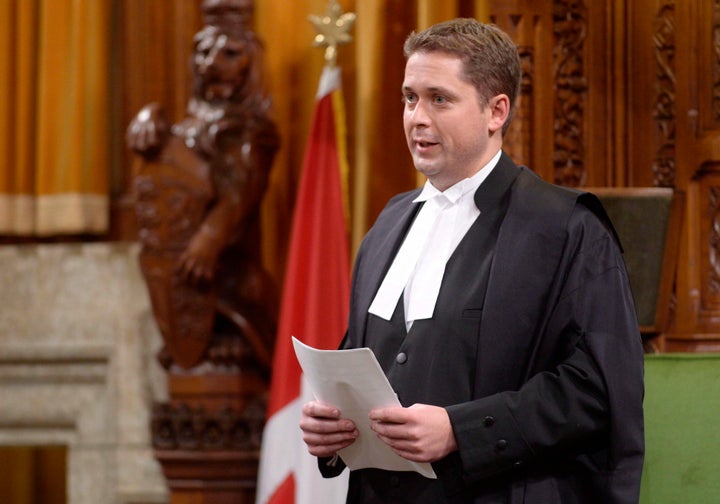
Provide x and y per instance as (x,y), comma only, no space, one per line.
(78,367)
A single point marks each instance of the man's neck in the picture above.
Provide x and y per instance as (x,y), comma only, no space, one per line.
(487,166)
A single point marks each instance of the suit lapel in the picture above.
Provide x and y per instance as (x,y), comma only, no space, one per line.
(388,233)
(477,245)
(529,249)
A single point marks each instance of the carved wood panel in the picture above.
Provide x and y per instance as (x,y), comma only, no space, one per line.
(632,98)
(563,128)
(714,58)
(663,166)
(698,294)
(570,28)
(687,131)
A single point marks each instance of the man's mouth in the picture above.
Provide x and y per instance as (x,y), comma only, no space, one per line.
(424,144)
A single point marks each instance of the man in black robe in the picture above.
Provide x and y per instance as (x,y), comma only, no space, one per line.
(497,304)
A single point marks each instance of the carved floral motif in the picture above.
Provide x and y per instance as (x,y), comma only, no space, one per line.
(184,428)
(714,240)
(664,41)
(520,136)
(716,60)
(570,30)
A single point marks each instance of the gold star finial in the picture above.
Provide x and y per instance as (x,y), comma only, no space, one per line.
(333,30)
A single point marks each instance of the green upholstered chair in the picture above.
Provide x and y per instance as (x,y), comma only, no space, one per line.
(648,221)
(682,429)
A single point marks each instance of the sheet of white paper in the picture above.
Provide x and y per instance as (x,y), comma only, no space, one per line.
(354,382)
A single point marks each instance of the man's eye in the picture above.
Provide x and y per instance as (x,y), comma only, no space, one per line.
(409,98)
(439,100)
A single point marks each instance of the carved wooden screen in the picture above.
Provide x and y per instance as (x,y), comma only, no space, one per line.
(695,71)
(672,124)
(565,122)
(627,93)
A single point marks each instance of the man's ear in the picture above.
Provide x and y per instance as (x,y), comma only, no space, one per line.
(499,110)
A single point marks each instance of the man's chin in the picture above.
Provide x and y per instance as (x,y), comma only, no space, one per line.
(425,168)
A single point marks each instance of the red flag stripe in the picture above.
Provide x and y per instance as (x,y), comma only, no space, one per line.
(317,282)
(315,298)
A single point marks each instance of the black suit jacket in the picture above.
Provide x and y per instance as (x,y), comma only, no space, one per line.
(555,409)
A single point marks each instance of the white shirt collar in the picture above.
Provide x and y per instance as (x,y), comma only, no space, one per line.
(456,191)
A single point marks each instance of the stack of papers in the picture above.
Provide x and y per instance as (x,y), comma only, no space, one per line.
(353,381)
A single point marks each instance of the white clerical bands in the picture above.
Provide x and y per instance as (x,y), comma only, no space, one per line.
(420,263)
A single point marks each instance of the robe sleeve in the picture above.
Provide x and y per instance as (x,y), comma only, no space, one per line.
(331,467)
(583,404)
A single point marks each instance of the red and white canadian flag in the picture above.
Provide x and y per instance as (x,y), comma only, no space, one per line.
(314,306)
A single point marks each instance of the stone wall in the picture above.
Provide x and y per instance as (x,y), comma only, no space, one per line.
(78,367)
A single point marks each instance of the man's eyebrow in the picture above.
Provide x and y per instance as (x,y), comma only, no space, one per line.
(439,90)
(431,89)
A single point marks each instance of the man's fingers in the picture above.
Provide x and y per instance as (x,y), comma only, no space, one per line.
(320,410)
(336,440)
(324,431)
(326,426)
(322,419)
(392,431)
(327,450)
(396,415)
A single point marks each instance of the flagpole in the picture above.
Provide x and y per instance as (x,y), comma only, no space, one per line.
(316,290)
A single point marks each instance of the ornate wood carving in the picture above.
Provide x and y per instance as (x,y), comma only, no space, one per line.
(198,194)
(716,61)
(185,428)
(570,30)
(708,299)
(199,184)
(713,281)
(518,139)
(664,115)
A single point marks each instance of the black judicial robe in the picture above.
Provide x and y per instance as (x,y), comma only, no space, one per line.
(554,406)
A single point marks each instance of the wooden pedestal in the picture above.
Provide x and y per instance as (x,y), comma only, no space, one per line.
(207,437)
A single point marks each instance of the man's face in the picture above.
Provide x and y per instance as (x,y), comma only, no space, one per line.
(446,126)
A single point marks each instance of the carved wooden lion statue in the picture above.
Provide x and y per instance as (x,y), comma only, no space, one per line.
(199,184)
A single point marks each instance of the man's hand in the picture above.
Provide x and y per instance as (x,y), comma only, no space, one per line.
(324,431)
(420,433)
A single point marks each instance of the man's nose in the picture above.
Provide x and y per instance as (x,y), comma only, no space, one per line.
(420,115)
